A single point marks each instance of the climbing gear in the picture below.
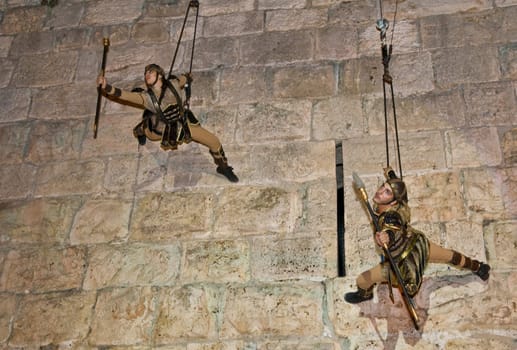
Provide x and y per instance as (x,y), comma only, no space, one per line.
(195,4)
(222,165)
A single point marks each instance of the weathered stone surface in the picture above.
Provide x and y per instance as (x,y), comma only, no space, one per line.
(483,194)
(69,39)
(508,190)
(338,118)
(336,42)
(5,45)
(43,270)
(460,30)
(219,261)
(422,8)
(23,20)
(273,310)
(319,202)
(52,319)
(226,6)
(6,70)
(13,138)
(186,312)
(109,12)
(436,197)
(68,14)
(463,65)
(508,55)
(150,32)
(129,309)
(52,141)
(298,162)
(130,265)
(473,147)
(43,221)
(500,238)
(277,121)
(277,47)
(428,111)
(274,5)
(45,70)
(361,76)
(101,221)
(70,177)
(303,82)
(243,85)
(256,210)
(161,217)
(234,24)
(15,104)
(297,19)
(490,104)
(300,258)
(32,43)
(366,154)
(7,309)
(17,180)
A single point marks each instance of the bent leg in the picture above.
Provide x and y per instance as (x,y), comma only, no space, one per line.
(365,283)
(204,137)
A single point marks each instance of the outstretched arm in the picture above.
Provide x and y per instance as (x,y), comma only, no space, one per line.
(134,98)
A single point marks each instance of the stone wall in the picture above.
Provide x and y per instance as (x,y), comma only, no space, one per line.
(107,244)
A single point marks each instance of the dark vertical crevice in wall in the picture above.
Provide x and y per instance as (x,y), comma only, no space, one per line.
(340,214)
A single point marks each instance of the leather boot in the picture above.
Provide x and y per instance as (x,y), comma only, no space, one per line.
(359,296)
(479,268)
(222,165)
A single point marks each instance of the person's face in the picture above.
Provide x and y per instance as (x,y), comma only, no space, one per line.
(151,77)
(384,195)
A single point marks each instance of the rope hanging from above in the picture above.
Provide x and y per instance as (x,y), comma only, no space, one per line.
(382,26)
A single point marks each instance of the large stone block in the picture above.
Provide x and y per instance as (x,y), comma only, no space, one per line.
(45,70)
(70,177)
(304,81)
(153,32)
(277,48)
(132,265)
(15,104)
(338,118)
(336,42)
(243,85)
(490,104)
(51,141)
(40,221)
(473,147)
(123,316)
(187,312)
(23,20)
(304,258)
(17,180)
(427,111)
(110,12)
(501,238)
(283,309)
(233,24)
(43,269)
(64,103)
(32,43)
(276,121)
(13,139)
(101,221)
(220,261)
(160,217)
(297,19)
(457,66)
(52,319)
(483,193)
(213,53)
(256,210)
(7,310)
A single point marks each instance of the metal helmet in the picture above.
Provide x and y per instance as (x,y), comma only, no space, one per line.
(154,67)
(398,187)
